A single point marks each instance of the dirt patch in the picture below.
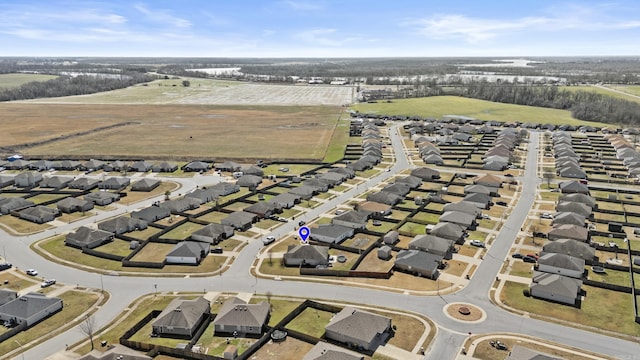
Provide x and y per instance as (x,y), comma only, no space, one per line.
(464,312)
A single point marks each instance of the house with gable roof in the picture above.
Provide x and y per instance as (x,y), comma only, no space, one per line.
(181,318)
(360,328)
(240,318)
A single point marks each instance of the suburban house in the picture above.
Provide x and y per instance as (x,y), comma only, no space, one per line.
(579,198)
(181,318)
(467,221)
(181,204)
(240,318)
(398,188)
(67,165)
(116,352)
(102,197)
(418,262)
(40,165)
(573,187)
(449,231)
(122,224)
(151,213)
(489,180)
(333,178)
(285,200)
(6,180)
(481,201)
(562,264)
(330,233)
(363,329)
(30,309)
(572,248)
(27,179)
(93,165)
(304,192)
(83,184)
(433,244)
(72,204)
(140,166)
(252,170)
(212,233)
(116,165)
(204,195)
(568,231)
(225,188)
(39,214)
(574,207)
(262,209)
(188,253)
(196,166)
(319,185)
(164,167)
(55,182)
(18,164)
(351,219)
(554,287)
(463,206)
(114,183)
(85,237)
(240,220)
(326,351)
(145,184)
(230,166)
(414,182)
(568,218)
(349,173)
(482,189)
(374,209)
(7,295)
(8,205)
(306,255)
(385,197)
(249,181)
(426,174)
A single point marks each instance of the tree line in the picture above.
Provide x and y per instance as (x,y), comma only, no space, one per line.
(587,106)
(73,85)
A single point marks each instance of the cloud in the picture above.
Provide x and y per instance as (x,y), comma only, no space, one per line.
(302,5)
(162,16)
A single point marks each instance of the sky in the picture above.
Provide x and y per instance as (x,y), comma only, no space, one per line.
(319,28)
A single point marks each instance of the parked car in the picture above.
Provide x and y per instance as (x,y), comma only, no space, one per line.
(529,259)
(5,266)
(268,240)
(517,256)
(501,203)
(546,216)
(217,250)
(47,283)
(32,272)
(339,212)
(477,243)
(535,256)
(598,270)
(508,175)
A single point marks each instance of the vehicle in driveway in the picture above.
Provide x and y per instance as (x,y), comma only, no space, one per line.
(535,256)
(217,250)
(501,203)
(517,256)
(47,283)
(598,270)
(5,266)
(268,240)
(529,259)
(477,243)
(546,216)
(32,272)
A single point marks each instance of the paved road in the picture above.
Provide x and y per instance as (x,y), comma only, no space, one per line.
(451,333)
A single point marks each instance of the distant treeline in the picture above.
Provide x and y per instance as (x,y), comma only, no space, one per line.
(69,85)
(583,105)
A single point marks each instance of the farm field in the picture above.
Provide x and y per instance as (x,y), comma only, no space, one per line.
(215,92)
(605,91)
(8,81)
(174,131)
(630,89)
(438,106)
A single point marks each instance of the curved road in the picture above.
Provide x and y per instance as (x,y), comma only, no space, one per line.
(450,334)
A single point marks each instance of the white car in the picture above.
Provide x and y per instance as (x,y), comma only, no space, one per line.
(477,243)
(32,272)
(268,240)
(47,283)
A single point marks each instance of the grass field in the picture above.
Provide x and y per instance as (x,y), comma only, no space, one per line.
(603,91)
(8,81)
(439,106)
(177,131)
(630,89)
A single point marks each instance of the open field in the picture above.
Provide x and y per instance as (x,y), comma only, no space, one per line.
(439,106)
(174,131)
(14,80)
(630,89)
(216,92)
(604,91)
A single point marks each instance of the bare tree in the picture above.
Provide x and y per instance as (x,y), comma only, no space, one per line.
(88,327)
(548,175)
(269,295)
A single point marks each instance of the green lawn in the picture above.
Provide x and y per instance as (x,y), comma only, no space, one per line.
(311,322)
(607,92)
(183,231)
(630,89)
(439,106)
(598,309)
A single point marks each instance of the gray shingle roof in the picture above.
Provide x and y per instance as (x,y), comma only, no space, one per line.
(359,324)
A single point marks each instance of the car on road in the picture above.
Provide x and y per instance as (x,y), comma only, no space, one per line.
(598,270)
(5,266)
(32,272)
(517,256)
(477,243)
(301,223)
(268,240)
(529,259)
(47,283)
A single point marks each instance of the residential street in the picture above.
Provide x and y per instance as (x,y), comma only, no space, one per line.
(450,335)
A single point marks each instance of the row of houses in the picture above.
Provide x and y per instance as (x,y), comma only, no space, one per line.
(90,165)
(567,161)
(31,180)
(626,152)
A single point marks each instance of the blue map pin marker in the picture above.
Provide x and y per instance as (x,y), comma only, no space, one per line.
(304,233)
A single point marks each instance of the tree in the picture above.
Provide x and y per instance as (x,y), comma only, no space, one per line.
(548,174)
(88,327)
(186,83)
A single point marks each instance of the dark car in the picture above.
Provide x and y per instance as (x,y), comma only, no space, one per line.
(501,203)
(598,270)
(535,256)
(529,259)
(216,250)
(5,266)
(517,256)
(301,223)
